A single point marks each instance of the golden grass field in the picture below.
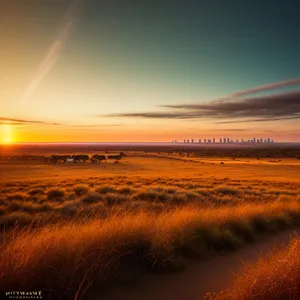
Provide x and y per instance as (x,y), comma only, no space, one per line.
(66,228)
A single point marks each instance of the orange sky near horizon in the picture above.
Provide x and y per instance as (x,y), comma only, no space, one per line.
(126,133)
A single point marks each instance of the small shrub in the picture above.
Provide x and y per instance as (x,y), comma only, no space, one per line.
(36,191)
(55,194)
(15,205)
(227,190)
(242,229)
(280,221)
(69,210)
(71,196)
(179,199)
(105,189)
(81,189)
(171,190)
(113,199)
(222,239)
(125,190)
(192,196)
(163,196)
(17,196)
(148,195)
(92,197)
(203,192)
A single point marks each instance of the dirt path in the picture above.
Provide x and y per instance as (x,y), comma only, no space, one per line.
(212,275)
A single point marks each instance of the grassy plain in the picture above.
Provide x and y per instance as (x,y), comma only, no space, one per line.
(70,227)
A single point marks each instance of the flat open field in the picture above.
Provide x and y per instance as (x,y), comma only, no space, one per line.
(149,212)
(157,166)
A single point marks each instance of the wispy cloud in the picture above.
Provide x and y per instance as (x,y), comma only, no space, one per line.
(266,87)
(97,125)
(17,122)
(229,109)
(12,121)
(54,50)
(232,129)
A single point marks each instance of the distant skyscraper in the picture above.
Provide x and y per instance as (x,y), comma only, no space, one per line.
(199,141)
(224,140)
(260,140)
(228,140)
(242,140)
(192,140)
(187,141)
(204,141)
(220,140)
(269,140)
(254,140)
(214,140)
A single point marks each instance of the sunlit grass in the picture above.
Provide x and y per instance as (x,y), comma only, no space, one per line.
(274,276)
(73,255)
(70,235)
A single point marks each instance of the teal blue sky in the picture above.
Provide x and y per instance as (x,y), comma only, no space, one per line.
(110,65)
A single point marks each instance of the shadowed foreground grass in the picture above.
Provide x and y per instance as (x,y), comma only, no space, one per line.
(66,259)
(275,277)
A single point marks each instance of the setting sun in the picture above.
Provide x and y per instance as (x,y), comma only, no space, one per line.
(6,134)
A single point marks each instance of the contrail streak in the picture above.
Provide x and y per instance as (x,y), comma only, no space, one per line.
(52,54)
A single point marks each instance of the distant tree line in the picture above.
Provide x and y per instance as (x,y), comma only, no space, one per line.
(96,158)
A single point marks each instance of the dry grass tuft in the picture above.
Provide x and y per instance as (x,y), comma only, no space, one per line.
(55,194)
(276,276)
(105,189)
(36,191)
(81,189)
(92,197)
(17,196)
(228,190)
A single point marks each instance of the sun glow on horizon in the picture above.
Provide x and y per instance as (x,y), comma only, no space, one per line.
(7,136)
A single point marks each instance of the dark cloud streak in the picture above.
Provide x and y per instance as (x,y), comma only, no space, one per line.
(12,121)
(280,106)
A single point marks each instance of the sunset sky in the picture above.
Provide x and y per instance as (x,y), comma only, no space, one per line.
(124,70)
